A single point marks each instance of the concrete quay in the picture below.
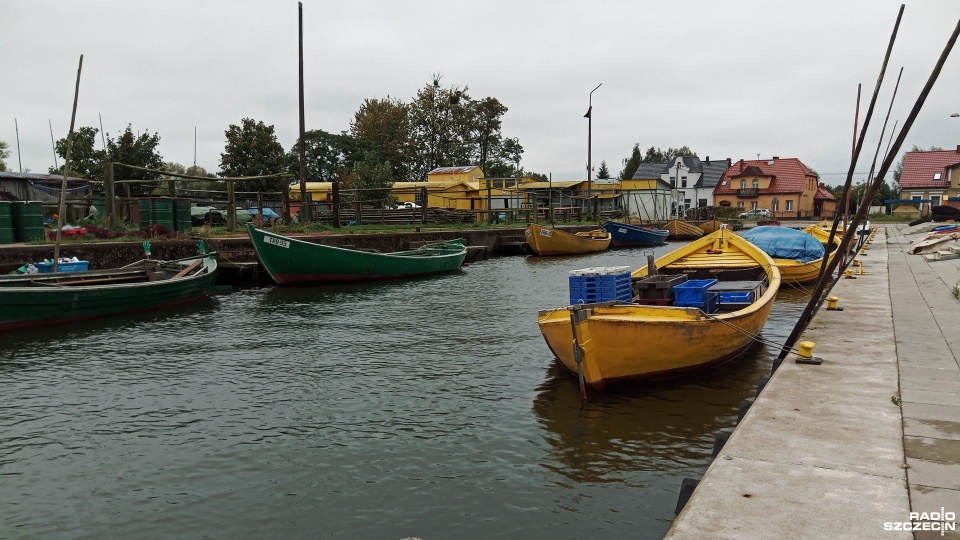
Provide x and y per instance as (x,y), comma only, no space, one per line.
(849,448)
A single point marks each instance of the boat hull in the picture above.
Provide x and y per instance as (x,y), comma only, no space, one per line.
(630,342)
(626,235)
(289,261)
(550,241)
(681,230)
(25,305)
(797,273)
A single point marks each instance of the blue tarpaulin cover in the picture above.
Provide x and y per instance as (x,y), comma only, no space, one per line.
(785,243)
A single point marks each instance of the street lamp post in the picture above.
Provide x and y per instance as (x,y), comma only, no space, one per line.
(589,117)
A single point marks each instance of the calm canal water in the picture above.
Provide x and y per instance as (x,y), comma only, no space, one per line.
(429,408)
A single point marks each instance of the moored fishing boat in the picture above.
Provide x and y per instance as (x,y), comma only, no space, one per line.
(626,235)
(681,230)
(550,241)
(607,343)
(798,255)
(51,299)
(290,261)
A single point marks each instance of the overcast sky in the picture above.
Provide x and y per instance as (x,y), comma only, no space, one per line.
(732,79)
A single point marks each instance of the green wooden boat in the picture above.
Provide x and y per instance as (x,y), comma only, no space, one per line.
(36,300)
(295,262)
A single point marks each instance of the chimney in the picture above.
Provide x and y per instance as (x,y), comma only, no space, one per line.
(776,157)
(958,148)
(741,165)
(728,162)
(708,157)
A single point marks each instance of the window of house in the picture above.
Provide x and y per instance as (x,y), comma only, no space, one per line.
(739,204)
(743,184)
(936,176)
(756,184)
(753,205)
(673,181)
(683,182)
(702,203)
(789,205)
(935,200)
(916,198)
(418,198)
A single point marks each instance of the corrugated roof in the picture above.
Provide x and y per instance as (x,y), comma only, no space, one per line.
(650,171)
(453,170)
(919,168)
(556,185)
(788,175)
(712,171)
(38,177)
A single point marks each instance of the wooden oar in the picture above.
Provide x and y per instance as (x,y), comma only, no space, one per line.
(188,269)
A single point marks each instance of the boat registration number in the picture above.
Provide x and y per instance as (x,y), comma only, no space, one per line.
(277,241)
(546,232)
(622,231)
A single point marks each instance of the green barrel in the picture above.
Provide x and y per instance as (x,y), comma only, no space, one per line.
(146,212)
(163,208)
(32,220)
(181,214)
(6,223)
(16,212)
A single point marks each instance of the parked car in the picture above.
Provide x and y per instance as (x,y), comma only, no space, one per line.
(406,205)
(756,213)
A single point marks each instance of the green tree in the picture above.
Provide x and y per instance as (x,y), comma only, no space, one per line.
(604,172)
(386,124)
(441,123)
(632,163)
(653,155)
(373,178)
(193,170)
(504,159)
(4,154)
(252,150)
(85,160)
(137,150)
(486,132)
(328,156)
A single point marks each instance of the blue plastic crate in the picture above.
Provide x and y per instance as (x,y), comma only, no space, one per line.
(47,267)
(736,297)
(708,305)
(625,288)
(692,291)
(601,280)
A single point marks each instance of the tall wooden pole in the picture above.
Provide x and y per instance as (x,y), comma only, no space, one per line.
(304,205)
(66,167)
(589,117)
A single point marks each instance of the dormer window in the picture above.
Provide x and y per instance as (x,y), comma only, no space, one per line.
(743,184)
(936,176)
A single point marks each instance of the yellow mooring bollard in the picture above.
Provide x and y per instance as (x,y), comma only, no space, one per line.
(805,354)
(849,273)
(860,269)
(832,304)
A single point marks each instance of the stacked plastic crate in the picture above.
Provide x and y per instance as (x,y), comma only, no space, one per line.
(602,284)
(695,293)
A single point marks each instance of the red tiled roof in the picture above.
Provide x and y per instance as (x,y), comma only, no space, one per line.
(822,193)
(919,168)
(789,175)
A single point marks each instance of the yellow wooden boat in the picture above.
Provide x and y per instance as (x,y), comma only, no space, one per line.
(821,231)
(624,342)
(796,273)
(681,230)
(550,241)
